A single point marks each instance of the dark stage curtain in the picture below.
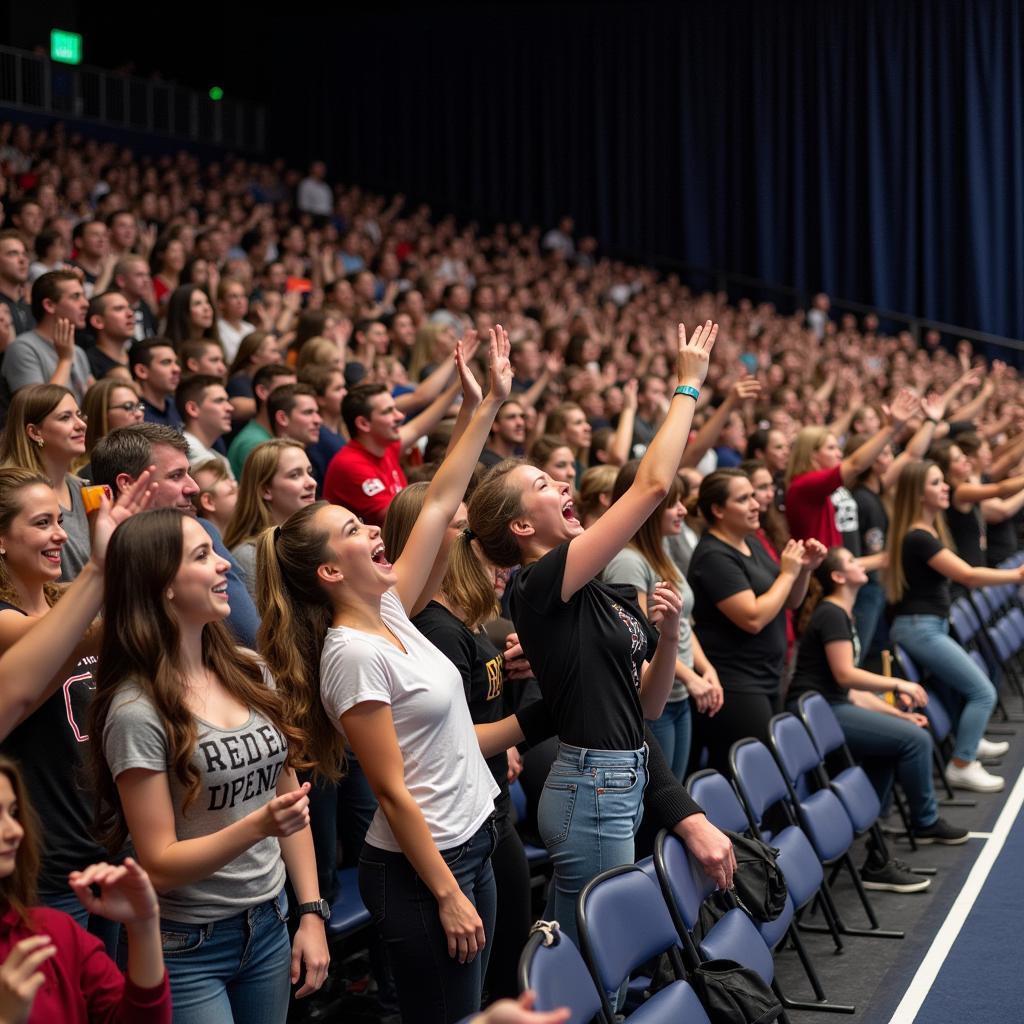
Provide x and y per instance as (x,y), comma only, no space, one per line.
(873,149)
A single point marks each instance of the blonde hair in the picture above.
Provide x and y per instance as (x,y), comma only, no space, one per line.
(465,584)
(319,351)
(807,442)
(252,514)
(424,348)
(906,509)
(597,481)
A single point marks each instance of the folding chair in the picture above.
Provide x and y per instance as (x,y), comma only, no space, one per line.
(762,787)
(714,792)
(623,922)
(348,914)
(851,784)
(821,814)
(552,966)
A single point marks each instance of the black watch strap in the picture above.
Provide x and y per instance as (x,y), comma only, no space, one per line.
(321,908)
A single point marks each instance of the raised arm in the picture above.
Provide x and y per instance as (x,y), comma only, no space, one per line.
(592,550)
(708,434)
(903,407)
(449,484)
(623,439)
(429,389)
(972,493)
(27,669)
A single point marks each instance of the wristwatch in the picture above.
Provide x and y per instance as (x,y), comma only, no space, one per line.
(321,908)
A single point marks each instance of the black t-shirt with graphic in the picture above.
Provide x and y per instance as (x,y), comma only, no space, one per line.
(586,653)
(482,667)
(51,747)
(873,523)
(828,624)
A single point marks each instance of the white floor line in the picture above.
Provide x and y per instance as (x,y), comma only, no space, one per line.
(919,988)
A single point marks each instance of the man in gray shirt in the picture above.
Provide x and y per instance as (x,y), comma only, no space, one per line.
(48,354)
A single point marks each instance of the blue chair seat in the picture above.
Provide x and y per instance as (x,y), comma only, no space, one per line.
(773,932)
(734,937)
(347,911)
(799,864)
(858,796)
(676,1004)
(826,824)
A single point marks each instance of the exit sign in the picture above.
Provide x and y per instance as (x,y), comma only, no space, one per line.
(65,47)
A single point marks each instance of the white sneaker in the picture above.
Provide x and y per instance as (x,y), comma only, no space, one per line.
(989,750)
(973,776)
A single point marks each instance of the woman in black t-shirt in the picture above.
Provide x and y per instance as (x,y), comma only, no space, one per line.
(921,566)
(600,666)
(887,741)
(740,597)
(452,618)
(49,640)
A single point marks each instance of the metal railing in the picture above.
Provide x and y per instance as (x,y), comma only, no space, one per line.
(31,82)
(740,285)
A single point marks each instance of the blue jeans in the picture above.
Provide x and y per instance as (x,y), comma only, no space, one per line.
(103,928)
(672,731)
(237,969)
(867,610)
(433,987)
(887,746)
(927,640)
(588,815)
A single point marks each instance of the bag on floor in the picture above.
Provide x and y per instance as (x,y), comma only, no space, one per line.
(733,994)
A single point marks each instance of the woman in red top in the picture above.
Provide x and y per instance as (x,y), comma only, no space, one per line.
(818,503)
(54,970)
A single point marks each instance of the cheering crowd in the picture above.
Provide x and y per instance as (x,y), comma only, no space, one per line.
(321,516)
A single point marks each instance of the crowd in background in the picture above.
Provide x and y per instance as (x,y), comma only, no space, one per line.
(235,348)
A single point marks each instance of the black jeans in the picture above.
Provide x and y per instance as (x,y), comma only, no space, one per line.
(512,927)
(741,715)
(433,987)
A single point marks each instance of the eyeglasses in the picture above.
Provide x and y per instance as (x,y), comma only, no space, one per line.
(130,406)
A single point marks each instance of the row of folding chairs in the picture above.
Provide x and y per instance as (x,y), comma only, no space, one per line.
(629,915)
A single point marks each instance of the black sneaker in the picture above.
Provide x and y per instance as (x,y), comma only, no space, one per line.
(940,831)
(892,876)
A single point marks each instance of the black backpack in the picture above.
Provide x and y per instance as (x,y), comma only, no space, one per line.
(758,884)
(732,994)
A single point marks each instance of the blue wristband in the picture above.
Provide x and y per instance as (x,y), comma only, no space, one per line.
(685,389)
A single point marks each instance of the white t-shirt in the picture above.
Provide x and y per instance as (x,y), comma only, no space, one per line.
(444,769)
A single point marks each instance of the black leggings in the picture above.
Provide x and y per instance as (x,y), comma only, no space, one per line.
(512,925)
(741,715)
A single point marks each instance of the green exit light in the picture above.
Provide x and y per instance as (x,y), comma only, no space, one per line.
(216,93)
(65,47)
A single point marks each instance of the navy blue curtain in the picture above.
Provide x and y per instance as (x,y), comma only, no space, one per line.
(873,149)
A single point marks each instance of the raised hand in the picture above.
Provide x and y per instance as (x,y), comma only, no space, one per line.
(791,560)
(664,609)
(110,515)
(64,339)
(746,388)
(904,406)
(814,554)
(126,894)
(499,367)
(630,392)
(471,393)
(694,355)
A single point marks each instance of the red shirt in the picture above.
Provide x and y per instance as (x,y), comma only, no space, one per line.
(809,511)
(83,985)
(364,482)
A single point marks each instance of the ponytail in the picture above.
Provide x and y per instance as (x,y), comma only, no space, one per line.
(467,586)
(819,586)
(295,615)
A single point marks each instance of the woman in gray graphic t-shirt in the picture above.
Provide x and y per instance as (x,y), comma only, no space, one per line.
(193,764)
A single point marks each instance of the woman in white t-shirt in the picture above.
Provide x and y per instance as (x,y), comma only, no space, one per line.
(336,632)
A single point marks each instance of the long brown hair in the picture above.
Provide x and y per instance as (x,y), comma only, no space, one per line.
(252,512)
(906,509)
(495,503)
(142,644)
(465,584)
(649,541)
(295,614)
(13,481)
(19,887)
(773,522)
